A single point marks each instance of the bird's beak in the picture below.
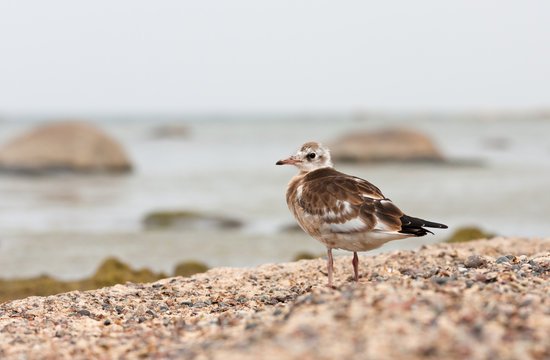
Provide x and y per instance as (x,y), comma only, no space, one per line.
(290,161)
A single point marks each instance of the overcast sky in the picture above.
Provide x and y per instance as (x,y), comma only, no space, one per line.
(254,56)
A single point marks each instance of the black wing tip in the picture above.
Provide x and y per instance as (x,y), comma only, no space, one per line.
(435,225)
(407,220)
(416,227)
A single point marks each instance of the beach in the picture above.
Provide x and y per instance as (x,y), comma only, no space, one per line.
(477,300)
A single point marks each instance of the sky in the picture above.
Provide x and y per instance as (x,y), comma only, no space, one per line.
(175,56)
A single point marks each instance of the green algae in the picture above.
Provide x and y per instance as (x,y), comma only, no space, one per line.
(468,233)
(189,268)
(111,272)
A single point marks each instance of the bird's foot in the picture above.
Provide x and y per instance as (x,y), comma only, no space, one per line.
(332,286)
(352,278)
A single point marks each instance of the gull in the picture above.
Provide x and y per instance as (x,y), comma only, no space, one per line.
(343,211)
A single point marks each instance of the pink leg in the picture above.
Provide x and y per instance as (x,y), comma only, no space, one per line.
(355,263)
(329,266)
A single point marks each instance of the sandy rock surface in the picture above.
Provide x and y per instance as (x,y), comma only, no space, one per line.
(477,300)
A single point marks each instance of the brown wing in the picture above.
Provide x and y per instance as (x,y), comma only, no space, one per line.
(348,203)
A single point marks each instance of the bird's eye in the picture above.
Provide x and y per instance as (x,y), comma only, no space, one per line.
(311,155)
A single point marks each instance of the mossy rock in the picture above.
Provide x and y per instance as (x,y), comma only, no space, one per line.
(165,219)
(177,220)
(188,268)
(113,271)
(468,234)
(39,286)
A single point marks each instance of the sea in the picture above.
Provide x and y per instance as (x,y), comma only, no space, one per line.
(497,178)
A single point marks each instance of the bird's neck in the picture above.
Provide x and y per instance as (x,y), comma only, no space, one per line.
(305,172)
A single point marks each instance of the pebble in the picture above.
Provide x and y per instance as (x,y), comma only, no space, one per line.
(84,312)
(440,280)
(475,261)
(502,259)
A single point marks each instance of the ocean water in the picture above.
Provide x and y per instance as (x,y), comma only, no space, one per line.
(65,225)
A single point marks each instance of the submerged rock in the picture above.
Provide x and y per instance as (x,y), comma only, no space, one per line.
(188,220)
(67,147)
(170,131)
(385,145)
(468,234)
(304,255)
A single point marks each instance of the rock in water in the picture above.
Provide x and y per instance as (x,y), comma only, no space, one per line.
(385,145)
(468,233)
(188,220)
(174,131)
(65,146)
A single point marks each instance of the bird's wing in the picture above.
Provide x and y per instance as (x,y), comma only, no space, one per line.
(347,203)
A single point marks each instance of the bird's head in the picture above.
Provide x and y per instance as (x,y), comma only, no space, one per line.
(311,156)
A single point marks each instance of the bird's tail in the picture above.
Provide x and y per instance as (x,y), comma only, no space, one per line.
(415,226)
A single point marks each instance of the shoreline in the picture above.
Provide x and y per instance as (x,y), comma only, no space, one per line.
(439,301)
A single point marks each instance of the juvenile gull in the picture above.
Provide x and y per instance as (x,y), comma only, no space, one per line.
(344,211)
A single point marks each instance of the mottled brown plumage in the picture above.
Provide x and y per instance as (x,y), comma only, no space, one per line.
(343,211)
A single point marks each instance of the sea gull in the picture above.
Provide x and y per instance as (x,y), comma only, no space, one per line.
(343,211)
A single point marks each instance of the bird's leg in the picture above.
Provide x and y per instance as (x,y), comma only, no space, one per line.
(329,266)
(355,263)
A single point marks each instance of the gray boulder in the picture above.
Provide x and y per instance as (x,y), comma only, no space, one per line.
(66,147)
(385,146)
